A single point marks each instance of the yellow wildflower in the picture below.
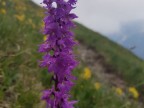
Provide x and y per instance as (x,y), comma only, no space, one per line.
(31,23)
(97,85)
(20,7)
(3,3)
(45,38)
(20,17)
(119,91)
(42,24)
(3,11)
(87,73)
(134,92)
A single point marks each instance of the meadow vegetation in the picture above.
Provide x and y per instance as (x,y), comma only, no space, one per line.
(22,80)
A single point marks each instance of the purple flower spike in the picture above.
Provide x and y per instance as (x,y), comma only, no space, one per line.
(58,50)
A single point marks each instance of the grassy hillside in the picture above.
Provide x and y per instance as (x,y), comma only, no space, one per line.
(126,64)
(22,81)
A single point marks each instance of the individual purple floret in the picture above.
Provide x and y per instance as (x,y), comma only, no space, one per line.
(58,51)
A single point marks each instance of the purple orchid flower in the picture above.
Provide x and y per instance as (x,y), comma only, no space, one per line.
(58,51)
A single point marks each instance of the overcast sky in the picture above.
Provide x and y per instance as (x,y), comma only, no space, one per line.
(107,16)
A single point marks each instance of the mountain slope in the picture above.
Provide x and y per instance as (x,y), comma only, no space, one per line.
(128,66)
(21,80)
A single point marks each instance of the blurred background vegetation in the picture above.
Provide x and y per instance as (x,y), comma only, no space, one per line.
(108,76)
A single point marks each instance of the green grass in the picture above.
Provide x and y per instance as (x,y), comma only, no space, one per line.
(23,81)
